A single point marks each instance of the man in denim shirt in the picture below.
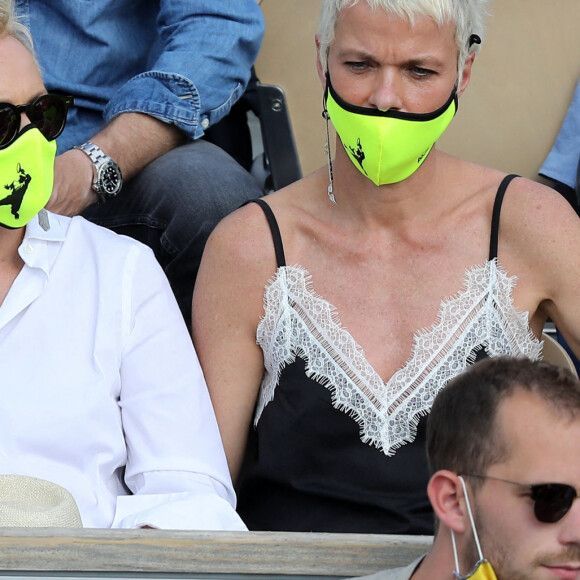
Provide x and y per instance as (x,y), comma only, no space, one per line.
(148,78)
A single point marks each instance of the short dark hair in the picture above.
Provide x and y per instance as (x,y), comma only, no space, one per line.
(462,431)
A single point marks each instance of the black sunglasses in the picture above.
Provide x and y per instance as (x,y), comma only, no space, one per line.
(552,501)
(47,113)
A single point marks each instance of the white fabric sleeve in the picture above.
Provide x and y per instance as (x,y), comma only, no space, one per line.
(176,466)
(206,508)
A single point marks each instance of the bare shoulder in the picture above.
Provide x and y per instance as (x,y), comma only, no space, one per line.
(539,237)
(228,293)
(532,211)
(245,235)
(239,258)
(242,238)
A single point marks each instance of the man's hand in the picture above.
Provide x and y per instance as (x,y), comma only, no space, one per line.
(132,139)
(73,178)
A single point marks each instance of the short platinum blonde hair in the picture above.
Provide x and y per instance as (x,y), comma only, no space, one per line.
(468,16)
(11,26)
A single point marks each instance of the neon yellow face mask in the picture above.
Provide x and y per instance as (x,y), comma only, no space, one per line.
(482,570)
(26,177)
(386,146)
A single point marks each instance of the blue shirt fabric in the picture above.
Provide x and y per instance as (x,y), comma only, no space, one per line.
(562,162)
(185,62)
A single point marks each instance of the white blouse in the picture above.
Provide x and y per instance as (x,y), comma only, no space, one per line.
(100,388)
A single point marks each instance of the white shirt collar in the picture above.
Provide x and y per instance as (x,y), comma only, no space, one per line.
(39,247)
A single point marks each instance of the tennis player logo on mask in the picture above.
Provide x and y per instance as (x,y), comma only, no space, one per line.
(386,146)
(26,177)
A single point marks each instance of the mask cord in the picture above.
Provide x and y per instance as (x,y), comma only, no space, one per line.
(330,174)
(475,536)
(456,572)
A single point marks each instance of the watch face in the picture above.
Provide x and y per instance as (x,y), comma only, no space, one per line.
(110,179)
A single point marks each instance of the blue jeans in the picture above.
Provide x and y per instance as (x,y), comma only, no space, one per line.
(174,204)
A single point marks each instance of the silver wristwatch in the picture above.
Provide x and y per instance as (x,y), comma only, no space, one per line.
(108,180)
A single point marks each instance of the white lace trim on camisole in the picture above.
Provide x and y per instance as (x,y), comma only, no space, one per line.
(298,322)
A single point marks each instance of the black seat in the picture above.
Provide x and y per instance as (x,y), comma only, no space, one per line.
(276,164)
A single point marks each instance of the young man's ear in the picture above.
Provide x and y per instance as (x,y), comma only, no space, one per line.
(448,500)
(466,76)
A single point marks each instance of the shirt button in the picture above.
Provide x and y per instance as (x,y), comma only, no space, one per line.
(205,123)
(28,249)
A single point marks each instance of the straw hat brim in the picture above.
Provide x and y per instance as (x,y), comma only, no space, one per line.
(32,502)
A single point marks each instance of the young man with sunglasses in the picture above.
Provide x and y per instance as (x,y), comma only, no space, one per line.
(504,446)
(100,386)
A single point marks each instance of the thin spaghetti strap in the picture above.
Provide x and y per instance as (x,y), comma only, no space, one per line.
(276,235)
(493,244)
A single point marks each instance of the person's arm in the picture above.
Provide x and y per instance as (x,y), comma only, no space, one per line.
(132,139)
(562,265)
(540,236)
(227,305)
(208,49)
(176,467)
(561,164)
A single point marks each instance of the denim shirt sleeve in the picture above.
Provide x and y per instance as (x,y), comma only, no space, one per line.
(207,50)
(563,160)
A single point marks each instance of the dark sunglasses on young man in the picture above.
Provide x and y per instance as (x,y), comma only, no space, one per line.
(552,501)
(47,113)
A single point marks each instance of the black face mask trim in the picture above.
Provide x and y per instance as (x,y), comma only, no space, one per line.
(22,131)
(391,114)
(10,227)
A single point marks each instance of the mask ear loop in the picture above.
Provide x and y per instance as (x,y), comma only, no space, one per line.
(326,117)
(456,572)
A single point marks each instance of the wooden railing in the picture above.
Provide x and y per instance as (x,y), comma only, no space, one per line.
(49,552)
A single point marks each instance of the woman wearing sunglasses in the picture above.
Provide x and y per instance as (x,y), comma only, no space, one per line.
(100,386)
(328,315)
(503,441)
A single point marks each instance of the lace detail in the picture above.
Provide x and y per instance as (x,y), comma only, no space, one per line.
(298,322)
